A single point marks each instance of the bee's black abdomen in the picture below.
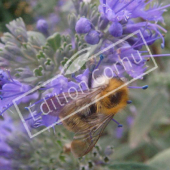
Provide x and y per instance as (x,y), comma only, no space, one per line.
(90,114)
(93,108)
(116,98)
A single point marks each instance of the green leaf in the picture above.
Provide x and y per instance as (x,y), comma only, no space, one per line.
(64,61)
(36,38)
(62,158)
(146,118)
(41,55)
(125,152)
(131,166)
(161,160)
(38,71)
(54,41)
(60,143)
(122,151)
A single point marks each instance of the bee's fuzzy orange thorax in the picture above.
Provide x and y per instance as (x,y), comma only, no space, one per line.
(116,97)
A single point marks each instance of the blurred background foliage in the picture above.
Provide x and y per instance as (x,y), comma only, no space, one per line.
(12,9)
(144,141)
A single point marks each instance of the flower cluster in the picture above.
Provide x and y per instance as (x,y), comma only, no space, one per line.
(11,89)
(42,57)
(7,128)
(36,57)
(118,19)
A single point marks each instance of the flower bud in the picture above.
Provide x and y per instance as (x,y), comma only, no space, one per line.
(83,26)
(42,26)
(108,151)
(93,37)
(116,29)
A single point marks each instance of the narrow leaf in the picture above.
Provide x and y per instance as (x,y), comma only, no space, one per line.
(161,160)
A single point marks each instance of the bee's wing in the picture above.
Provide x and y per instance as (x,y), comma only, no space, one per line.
(61,101)
(85,140)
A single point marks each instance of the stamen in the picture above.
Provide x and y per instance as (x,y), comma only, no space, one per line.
(119,125)
(41,101)
(162,45)
(129,102)
(162,37)
(163,7)
(158,55)
(124,6)
(6,108)
(13,95)
(161,28)
(136,87)
(115,4)
(9,74)
(134,46)
(101,59)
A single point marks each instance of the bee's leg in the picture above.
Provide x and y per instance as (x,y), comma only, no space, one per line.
(119,125)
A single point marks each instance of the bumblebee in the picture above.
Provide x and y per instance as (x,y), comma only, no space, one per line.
(88,124)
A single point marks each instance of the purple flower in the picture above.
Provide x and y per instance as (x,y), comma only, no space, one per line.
(59,87)
(53,20)
(60,3)
(7,128)
(49,120)
(122,11)
(13,89)
(62,84)
(125,60)
(130,121)
(105,45)
(93,37)
(83,26)
(59,84)
(5,164)
(119,132)
(116,29)
(83,76)
(125,11)
(42,26)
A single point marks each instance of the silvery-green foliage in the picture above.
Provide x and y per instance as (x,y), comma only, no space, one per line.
(33,57)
